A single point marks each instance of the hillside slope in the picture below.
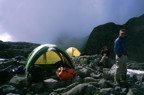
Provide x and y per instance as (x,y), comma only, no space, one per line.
(104,35)
(12,49)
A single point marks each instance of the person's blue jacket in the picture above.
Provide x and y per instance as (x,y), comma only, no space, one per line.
(120,47)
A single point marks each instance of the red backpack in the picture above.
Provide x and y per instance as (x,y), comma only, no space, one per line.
(65,73)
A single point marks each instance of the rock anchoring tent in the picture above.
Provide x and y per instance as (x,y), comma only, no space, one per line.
(43,62)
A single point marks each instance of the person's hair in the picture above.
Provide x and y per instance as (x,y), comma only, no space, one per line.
(122,30)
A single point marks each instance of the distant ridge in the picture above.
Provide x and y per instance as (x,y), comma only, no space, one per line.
(100,36)
(12,49)
(105,35)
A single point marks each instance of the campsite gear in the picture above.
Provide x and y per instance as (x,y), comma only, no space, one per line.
(49,58)
(66,73)
(73,52)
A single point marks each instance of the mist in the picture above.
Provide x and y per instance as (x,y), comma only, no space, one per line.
(47,21)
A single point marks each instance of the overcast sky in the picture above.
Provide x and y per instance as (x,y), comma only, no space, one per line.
(43,21)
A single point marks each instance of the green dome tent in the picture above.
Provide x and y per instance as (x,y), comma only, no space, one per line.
(50,56)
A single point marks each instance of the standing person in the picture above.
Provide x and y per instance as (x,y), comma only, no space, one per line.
(105,55)
(120,50)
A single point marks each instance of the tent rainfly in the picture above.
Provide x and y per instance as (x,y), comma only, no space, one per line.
(50,55)
(73,52)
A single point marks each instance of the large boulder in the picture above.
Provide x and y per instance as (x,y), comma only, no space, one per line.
(81,89)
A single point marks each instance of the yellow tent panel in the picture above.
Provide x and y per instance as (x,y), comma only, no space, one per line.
(50,57)
(73,52)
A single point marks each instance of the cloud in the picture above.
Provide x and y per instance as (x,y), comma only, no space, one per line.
(42,21)
(4,36)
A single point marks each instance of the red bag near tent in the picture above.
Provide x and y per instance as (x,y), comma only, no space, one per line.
(65,73)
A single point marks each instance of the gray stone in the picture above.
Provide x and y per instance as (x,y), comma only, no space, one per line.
(70,86)
(107,91)
(77,79)
(117,88)
(19,80)
(124,90)
(97,76)
(102,83)
(59,90)
(83,72)
(54,93)
(7,89)
(95,84)
(136,90)
(51,83)
(106,73)
(90,79)
(81,89)
(38,87)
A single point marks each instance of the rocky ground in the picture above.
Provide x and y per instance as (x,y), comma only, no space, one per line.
(91,79)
